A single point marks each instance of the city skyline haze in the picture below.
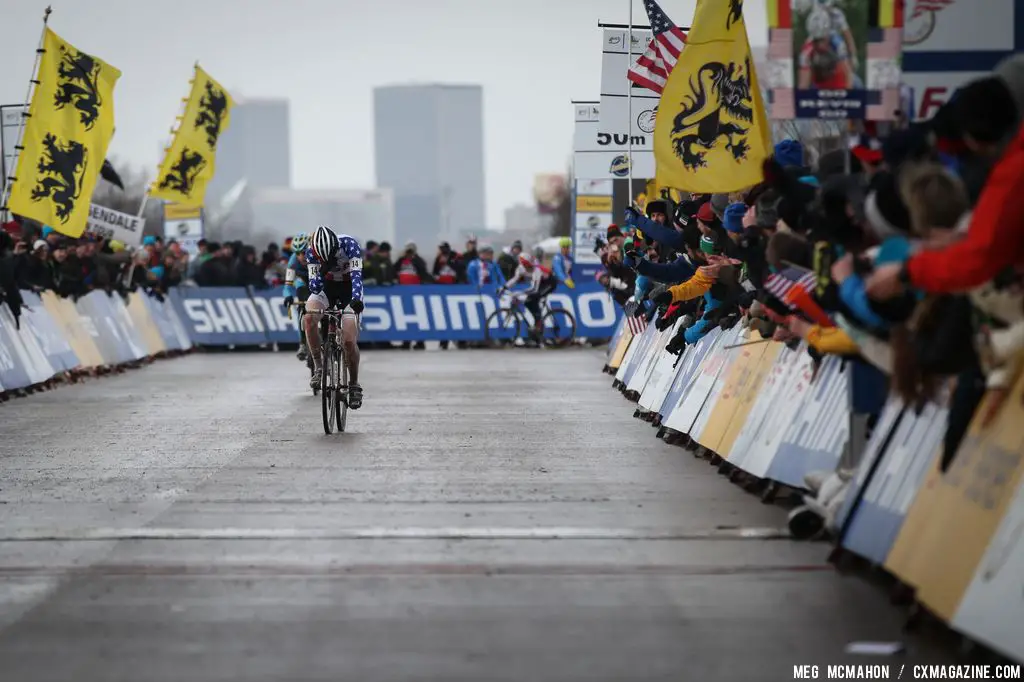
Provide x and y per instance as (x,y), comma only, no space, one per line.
(532,58)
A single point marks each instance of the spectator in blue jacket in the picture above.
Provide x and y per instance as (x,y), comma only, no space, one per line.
(484,271)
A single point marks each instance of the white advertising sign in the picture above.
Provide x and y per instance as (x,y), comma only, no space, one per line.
(111,224)
(959,26)
(187,231)
(10,123)
(948,31)
(597,155)
(627,111)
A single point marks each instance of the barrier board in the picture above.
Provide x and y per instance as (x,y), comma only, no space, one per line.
(912,441)
(820,428)
(235,316)
(55,335)
(947,530)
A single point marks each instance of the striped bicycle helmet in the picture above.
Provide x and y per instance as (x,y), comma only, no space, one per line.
(324,243)
(300,242)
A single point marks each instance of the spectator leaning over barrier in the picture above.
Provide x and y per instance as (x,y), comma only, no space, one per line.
(249,273)
(508,261)
(9,292)
(470,254)
(202,255)
(35,272)
(443,272)
(411,267)
(484,272)
(387,275)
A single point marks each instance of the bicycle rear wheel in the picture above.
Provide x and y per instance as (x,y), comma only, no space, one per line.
(503,327)
(558,328)
(328,392)
(341,404)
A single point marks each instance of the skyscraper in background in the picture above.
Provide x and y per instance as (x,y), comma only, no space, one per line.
(429,149)
(256,147)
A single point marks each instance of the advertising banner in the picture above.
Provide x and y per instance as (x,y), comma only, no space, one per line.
(949,43)
(10,124)
(218,316)
(111,224)
(834,59)
(184,224)
(600,155)
(627,110)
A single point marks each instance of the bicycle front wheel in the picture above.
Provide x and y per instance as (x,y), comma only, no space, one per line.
(503,327)
(341,404)
(328,384)
(558,328)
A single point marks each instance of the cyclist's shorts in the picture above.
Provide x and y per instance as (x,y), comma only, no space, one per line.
(335,294)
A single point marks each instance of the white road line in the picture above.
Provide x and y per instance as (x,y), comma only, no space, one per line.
(384,533)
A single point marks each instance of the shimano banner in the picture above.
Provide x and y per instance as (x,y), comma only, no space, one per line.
(218,316)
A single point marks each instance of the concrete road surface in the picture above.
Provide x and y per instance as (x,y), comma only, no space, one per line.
(490,516)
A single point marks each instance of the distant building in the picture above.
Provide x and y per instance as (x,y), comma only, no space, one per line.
(429,149)
(255,147)
(521,218)
(277,213)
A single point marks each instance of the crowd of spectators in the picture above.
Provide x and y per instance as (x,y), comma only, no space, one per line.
(37,258)
(902,255)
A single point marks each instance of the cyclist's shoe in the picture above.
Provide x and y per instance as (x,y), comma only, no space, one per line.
(314,381)
(303,353)
(355,396)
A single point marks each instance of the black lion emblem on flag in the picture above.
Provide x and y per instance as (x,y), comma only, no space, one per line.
(77,84)
(182,176)
(61,172)
(212,107)
(718,107)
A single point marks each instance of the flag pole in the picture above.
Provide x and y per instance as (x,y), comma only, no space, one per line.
(629,106)
(167,147)
(33,81)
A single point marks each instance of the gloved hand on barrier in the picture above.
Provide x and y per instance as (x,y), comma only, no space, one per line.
(570,283)
(678,343)
(630,216)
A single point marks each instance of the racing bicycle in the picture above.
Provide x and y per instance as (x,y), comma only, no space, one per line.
(505,325)
(333,388)
(334,372)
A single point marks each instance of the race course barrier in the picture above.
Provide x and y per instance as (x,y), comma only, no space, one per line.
(770,417)
(56,338)
(237,316)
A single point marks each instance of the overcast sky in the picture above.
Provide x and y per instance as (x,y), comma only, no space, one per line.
(532,58)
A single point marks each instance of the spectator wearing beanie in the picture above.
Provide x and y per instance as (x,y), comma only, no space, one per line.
(719,202)
(790,154)
(732,220)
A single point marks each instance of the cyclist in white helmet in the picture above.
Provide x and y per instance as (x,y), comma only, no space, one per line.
(295,285)
(335,263)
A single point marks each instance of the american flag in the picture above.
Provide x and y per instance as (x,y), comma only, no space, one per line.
(652,69)
(780,285)
(636,325)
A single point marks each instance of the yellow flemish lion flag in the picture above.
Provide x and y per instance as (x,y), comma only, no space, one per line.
(70,123)
(711,134)
(188,164)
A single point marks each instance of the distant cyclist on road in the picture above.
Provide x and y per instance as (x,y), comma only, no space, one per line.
(295,285)
(335,264)
(561,265)
(542,282)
